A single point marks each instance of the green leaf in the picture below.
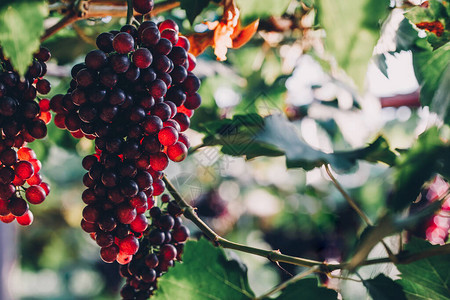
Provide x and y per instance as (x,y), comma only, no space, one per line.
(282,134)
(437,11)
(426,157)
(193,8)
(305,289)
(432,69)
(428,278)
(254,9)
(206,273)
(21,26)
(380,61)
(406,36)
(352,29)
(253,136)
(384,288)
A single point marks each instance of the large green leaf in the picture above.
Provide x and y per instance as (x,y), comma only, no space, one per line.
(206,273)
(428,278)
(429,155)
(384,288)
(253,136)
(305,289)
(254,9)
(21,26)
(352,29)
(432,69)
(193,8)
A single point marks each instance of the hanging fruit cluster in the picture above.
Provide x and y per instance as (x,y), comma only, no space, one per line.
(22,120)
(134,96)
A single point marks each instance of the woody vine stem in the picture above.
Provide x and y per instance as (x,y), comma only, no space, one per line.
(277,256)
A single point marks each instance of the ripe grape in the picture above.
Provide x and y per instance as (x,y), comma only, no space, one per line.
(143,6)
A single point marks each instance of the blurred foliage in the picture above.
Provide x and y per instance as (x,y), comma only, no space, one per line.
(271,202)
(352,39)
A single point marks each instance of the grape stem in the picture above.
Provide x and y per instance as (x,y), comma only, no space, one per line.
(288,282)
(277,256)
(347,197)
(353,204)
(130,17)
(272,255)
(99,9)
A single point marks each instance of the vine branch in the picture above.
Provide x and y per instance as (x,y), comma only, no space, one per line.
(273,255)
(102,8)
(277,256)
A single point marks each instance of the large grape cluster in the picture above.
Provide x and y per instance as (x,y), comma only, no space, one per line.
(134,96)
(22,120)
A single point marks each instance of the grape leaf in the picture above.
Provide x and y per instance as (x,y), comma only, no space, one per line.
(21,26)
(428,278)
(406,36)
(384,288)
(426,157)
(305,289)
(352,30)
(193,8)
(253,136)
(254,9)
(206,273)
(432,69)
(436,14)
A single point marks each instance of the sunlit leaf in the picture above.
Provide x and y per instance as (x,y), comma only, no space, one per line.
(224,34)
(21,26)
(352,30)
(257,9)
(428,278)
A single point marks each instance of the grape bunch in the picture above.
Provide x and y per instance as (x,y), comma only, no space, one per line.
(161,246)
(134,96)
(22,120)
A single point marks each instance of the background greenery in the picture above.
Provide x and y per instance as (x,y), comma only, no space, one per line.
(256,176)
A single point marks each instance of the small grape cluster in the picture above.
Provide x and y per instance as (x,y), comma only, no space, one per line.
(22,120)
(162,245)
(134,96)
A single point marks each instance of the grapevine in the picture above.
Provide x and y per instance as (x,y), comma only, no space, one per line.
(363,178)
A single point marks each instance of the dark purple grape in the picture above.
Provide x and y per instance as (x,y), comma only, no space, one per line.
(104,42)
(95,60)
(119,63)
